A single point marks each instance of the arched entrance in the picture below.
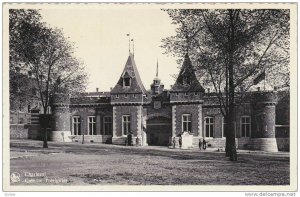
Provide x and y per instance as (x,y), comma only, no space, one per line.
(159,131)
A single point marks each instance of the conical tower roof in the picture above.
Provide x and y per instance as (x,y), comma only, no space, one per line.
(130,71)
(187,80)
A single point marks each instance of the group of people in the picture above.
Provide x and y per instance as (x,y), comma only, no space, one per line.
(202,143)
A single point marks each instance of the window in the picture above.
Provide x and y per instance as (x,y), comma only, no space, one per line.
(196,93)
(126,82)
(245,126)
(133,95)
(156,82)
(76,125)
(186,94)
(107,121)
(125,96)
(209,126)
(156,89)
(126,124)
(186,123)
(92,125)
(117,96)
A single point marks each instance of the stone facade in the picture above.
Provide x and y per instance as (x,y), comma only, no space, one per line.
(131,115)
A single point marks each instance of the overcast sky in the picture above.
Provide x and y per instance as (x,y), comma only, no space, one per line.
(100,37)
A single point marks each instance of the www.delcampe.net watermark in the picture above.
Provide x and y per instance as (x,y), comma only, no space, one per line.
(268,194)
(24,178)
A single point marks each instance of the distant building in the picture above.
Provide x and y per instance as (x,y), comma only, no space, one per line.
(159,116)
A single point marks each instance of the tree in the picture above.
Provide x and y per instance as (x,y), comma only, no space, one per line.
(230,48)
(47,54)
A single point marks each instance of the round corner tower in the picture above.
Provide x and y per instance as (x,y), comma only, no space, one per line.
(61,118)
(264,106)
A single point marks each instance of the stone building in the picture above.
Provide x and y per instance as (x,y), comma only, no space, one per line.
(159,116)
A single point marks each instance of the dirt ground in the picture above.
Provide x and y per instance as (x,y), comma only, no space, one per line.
(89,164)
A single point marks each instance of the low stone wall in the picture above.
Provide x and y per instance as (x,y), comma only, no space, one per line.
(105,139)
(123,141)
(18,131)
(35,132)
(60,136)
(283,144)
(244,143)
(215,143)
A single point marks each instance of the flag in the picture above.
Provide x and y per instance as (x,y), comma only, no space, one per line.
(259,78)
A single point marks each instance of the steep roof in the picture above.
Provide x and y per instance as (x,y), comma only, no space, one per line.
(187,80)
(131,71)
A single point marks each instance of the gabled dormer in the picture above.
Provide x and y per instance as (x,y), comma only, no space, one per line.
(126,80)
(129,87)
(187,87)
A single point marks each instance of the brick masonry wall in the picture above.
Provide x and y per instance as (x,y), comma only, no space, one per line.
(125,110)
(61,118)
(130,98)
(18,131)
(164,111)
(264,117)
(106,139)
(215,113)
(283,144)
(84,112)
(187,109)
(180,96)
(19,118)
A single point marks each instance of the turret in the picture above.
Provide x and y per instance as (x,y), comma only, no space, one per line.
(61,118)
(187,88)
(264,105)
(156,87)
(127,98)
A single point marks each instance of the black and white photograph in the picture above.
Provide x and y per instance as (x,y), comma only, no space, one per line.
(150,96)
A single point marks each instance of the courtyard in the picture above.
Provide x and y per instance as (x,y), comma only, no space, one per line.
(104,164)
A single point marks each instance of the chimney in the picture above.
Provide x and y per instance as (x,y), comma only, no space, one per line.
(97,89)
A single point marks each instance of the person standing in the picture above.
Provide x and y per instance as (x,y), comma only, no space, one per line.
(204,144)
(180,141)
(129,139)
(200,144)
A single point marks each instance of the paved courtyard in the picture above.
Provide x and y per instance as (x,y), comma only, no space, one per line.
(90,164)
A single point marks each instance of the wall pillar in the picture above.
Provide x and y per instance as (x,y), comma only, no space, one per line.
(114,132)
(144,128)
(173,121)
(139,126)
(200,130)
